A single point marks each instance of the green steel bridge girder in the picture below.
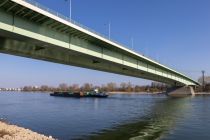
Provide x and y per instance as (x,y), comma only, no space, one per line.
(25,37)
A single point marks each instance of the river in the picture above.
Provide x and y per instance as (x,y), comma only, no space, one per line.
(119,117)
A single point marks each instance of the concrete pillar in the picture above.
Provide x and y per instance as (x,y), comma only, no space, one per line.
(181,91)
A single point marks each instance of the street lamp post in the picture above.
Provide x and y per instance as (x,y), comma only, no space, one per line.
(70,9)
(132,46)
(109,30)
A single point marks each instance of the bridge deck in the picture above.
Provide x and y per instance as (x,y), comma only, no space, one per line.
(43,17)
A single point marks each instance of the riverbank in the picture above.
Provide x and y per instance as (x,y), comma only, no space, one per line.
(202,93)
(140,93)
(12,132)
(113,92)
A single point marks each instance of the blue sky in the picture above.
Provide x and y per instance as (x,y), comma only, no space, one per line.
(174,32)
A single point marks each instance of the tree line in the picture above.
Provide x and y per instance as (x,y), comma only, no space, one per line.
(205,87)
(109,87)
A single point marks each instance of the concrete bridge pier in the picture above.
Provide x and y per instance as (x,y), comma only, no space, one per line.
(181,91)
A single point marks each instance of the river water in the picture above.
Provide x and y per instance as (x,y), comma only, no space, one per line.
(119,117)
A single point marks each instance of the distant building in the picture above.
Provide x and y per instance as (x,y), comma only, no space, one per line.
(10,89)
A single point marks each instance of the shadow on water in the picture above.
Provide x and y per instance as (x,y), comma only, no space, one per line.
(153,125)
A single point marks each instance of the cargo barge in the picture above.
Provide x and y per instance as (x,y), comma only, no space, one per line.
(93,94)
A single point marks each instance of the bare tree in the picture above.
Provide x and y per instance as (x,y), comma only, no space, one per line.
(129,87)
(75,87)
(123,86)
(44,88)
(111,86)
(87,87)
(27,88)
(63,87)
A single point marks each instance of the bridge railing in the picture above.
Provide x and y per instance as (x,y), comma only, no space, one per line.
(38,5)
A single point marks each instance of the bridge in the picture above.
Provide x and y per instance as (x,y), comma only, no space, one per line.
(30,30)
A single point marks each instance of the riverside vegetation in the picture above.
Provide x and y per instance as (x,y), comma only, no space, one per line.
(113,87)
(109,87)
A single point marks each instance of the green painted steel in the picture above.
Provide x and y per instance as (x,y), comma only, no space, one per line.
(28,31)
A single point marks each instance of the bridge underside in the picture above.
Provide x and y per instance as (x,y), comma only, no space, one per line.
(26,47)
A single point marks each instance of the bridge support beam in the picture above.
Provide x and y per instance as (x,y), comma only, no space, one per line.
(182,91)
